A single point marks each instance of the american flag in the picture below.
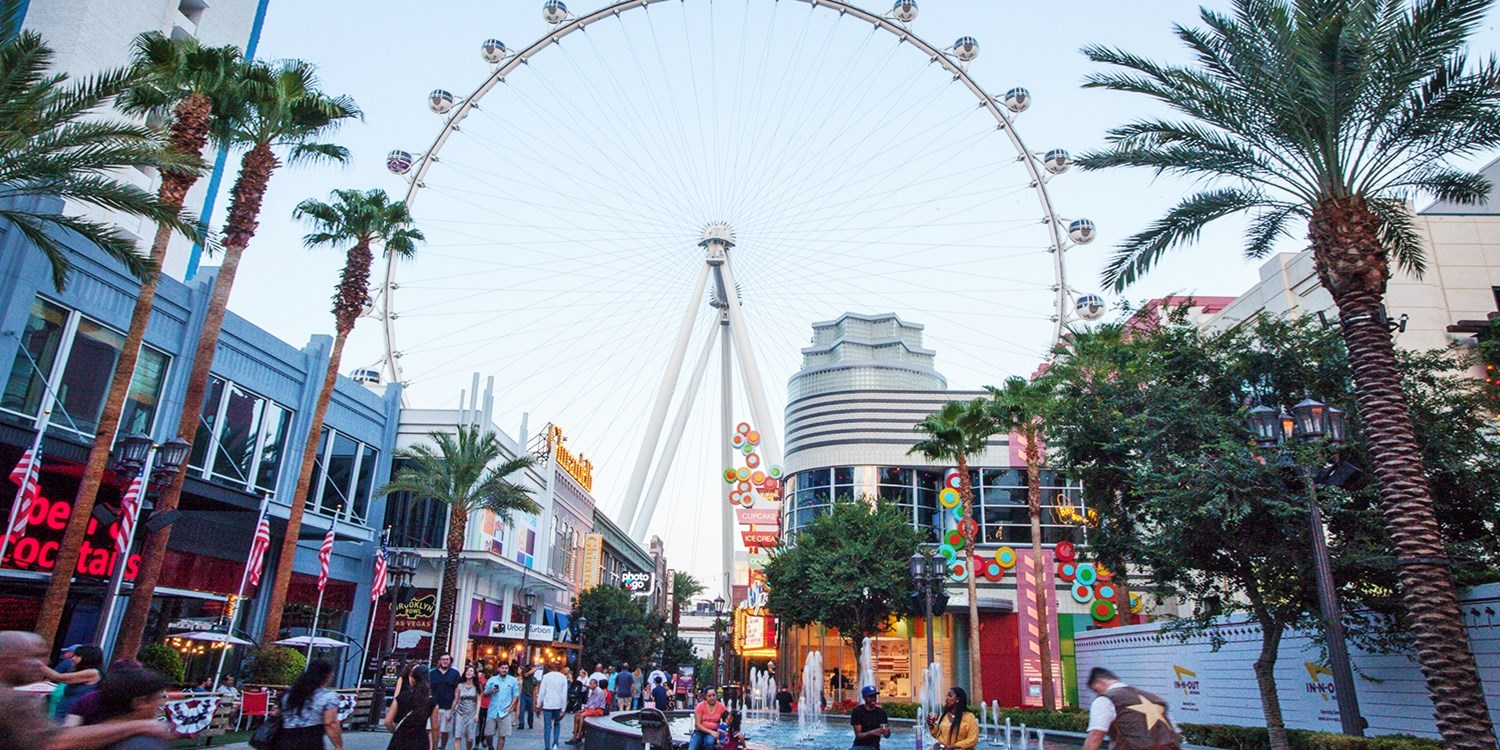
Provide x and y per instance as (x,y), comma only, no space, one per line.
(258,550)
(377,589)
(324,553)
(130,506)
(25,477)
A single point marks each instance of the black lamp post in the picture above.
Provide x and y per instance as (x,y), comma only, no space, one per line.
(1312,421)
(529,607)
(719,608)
(580,625)
(927,572)
(156,464)
(401,566)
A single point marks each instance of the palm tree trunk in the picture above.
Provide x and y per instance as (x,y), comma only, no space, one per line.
(1265,681)
(249,189)
(345,325)
(1038,571)
(1354,266)
(966,494)
(189,134)
(442,632)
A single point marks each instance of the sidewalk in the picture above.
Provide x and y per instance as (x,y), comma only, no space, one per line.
(520,739)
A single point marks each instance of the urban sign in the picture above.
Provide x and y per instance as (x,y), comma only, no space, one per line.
(638,584)
(517,630)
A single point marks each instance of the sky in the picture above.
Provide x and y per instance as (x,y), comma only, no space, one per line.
(562,218)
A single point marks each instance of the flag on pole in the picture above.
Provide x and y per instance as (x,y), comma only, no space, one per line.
(25,476)
(324,554)
(377,589)
(130,506)
(258,549)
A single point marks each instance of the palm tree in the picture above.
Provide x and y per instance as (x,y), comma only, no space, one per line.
(1334,112)
(54,143)
(456,471)
(1018,405)
(192,85)
(955,432)
(685,586)
(286,112)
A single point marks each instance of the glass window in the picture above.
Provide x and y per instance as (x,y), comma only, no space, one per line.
(86,376)
(338,474)
(35,358)
(207,419)
(365,482)
(144,398)
(235,458)
(273,431)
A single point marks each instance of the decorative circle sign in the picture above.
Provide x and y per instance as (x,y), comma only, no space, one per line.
(1067,571)
(969,528)
(1082,594)
(1104,591)
(743,428)
(1087,574)
(955,539)
(993,571)
(1102,610)
(742,474)
(1006,556)
(753,437)
(958,572)
(1136,605)
(1064,551)
(948,551)
(949,497)
(731,476)
(953,480)
(752,460)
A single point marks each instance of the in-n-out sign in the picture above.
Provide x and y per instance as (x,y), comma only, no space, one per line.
(638,584)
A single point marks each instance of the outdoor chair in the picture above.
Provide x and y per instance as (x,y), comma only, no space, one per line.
(253,703)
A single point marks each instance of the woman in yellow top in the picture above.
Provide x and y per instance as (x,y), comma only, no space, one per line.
(956,728)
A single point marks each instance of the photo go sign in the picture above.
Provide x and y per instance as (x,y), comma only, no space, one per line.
(638,584)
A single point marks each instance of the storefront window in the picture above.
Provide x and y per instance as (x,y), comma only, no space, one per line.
(273,432)
(338,474)
(203,439)
(144,397)
(35,358)
(341,461)
(235,459)
(365,482)
(85,378)
(246,435)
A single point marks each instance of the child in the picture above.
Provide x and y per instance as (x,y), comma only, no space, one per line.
(730,736)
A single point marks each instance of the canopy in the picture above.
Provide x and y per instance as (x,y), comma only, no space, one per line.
(209,635)
(318,641)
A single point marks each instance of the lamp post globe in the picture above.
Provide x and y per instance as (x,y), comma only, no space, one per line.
(1308,417)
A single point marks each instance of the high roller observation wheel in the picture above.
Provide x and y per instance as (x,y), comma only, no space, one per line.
(1064,233)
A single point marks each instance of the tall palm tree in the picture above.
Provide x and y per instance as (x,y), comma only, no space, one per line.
(955,432)
(1018,405)
(461,471)
(192,85)
(1333,112)
(286,112)
(685,586)
(55,142)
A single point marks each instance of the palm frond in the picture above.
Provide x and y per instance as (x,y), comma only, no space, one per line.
(1398,232)
(1268,226)
(1182,224)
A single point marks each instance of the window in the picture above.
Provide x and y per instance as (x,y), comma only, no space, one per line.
(66,362)
(1005,518)
(341,461)
(244,433)
(414,521)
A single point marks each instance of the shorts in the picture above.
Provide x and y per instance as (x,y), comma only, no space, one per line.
(587,712)
(445,720)
(499,726)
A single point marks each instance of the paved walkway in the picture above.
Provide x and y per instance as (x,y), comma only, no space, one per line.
(521,739)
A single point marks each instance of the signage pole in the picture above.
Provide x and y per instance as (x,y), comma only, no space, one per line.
(239,595)
(36,446)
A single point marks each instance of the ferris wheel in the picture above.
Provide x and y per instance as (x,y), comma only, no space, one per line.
(651,172)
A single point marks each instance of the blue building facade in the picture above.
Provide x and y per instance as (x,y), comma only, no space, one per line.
(57,354)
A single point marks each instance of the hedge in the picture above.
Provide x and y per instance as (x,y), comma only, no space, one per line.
(163,659)
(277,665)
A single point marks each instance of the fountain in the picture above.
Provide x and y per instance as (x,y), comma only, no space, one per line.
(810,705)
(761,692)
(866,664)
(929,698)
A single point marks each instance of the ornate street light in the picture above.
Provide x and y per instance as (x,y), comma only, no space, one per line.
(137,456)
(927,572)
(528,608)
(1309,419)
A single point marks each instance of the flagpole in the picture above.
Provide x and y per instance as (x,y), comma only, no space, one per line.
(374,604)
(239,595)
(15,506)
(317,612)
(117,578)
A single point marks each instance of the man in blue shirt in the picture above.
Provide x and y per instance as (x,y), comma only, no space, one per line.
(444,680)
(505,696)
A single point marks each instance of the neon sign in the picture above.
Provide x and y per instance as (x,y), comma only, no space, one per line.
(45,523)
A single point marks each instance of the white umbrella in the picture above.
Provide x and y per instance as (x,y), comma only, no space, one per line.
(209,635)
(318,641)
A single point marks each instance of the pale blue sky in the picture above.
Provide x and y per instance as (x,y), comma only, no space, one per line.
(563,227)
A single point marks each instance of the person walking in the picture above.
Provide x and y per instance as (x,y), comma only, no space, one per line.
(23,719)
(310,711)
(1133,719)
(869,720)
(551,699)
(482,738)
(412,719)
(659,697)
(624,689)
(133,695)
(706,717)
(638,686)
(524,718)
(466,709)
(505,698)
(956,728)
(444,679)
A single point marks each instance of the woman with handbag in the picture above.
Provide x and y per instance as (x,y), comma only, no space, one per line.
(310,711)
(412,719)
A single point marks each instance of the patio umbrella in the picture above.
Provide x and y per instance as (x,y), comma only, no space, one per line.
(318,641)
(212,637)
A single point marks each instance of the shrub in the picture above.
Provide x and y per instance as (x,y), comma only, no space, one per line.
(162,659)
(1072,720)
(1256,738)
(277,665)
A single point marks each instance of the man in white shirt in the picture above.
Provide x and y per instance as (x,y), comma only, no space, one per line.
(551,699)
(1134,718)
(651,680)
(599,676)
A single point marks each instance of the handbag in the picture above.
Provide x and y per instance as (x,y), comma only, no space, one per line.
(267,733)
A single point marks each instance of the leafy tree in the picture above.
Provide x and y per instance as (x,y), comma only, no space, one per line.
(286,112)
(848,569)
(277,665)
(191,86)
(617,630)
(955,432)
(1018,406)
(468,473)
(162,659)
(678,652)
(1333,112)
(685,586)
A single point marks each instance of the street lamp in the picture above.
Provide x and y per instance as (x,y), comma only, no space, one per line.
(527,609)
(720,606)
(1311,422)
(401,566)
(137,457)
(927,572)
(580,625)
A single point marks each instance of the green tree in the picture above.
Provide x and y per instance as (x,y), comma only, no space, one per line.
(955,432)
(468,473)
(617,630)
(1018,406)
(1333,112)
(285,112)
(191,86)
(55,142)
(685,586)
(848,569)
